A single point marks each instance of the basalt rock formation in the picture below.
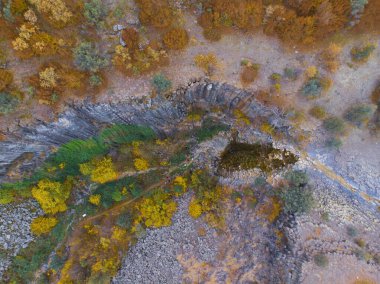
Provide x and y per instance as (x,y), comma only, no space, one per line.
(28,145)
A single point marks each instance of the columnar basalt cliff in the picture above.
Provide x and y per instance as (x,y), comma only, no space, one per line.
(161,114)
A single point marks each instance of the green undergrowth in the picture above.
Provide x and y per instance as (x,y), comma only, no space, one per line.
(66,160)
(209,129)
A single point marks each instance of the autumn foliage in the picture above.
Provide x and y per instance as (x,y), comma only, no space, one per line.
(52,195)
(6,78)
(156,13)
(176,38)
(131,38)
(43,225)
(156,211)
(100,171)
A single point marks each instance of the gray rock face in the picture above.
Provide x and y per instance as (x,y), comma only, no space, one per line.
(84,121)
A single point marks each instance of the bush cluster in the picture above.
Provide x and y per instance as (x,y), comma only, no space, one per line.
(176,38)
(7,103)
(297,197)
(358,114)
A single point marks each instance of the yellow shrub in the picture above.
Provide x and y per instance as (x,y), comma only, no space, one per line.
(48,78)
(43,225)
(136,148)
(156,211)
(118,234)
(100,171)
(311,71)
(180,181)
(95,199)
(206,62)
(51,195)
(141,164)
(267,128)
(195,210)
(56,10)
(241,116)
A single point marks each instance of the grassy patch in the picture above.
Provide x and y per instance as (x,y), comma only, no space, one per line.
(209,129)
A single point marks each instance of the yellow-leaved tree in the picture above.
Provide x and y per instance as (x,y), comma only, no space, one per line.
(43,225)
(156,211)
(100,171)
(52,195)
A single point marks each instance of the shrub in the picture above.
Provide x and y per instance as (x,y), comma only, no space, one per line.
(140,164)
(176,38)
(334,143)
(57,11)
(361,54)
(6,78)
(275,77)
(195,209)
(358,5)
(249,73)
(313,88)
(48,78)
(351,231)
(207,62)
(18,7)
(330,57)
(95,199)
(7,103)
(156,13)
(95,12)
(297,199)
(51,195)
(334,125)
(161,83)
(297,178)
(87,57)
(156,211)
(318,112)
(212,34)
(209,129)
(100,171)
(43,225)
(358,114)
(321,260)
(311,72)
(95,80)
(77,152)
(360,242)
(291,73)
(131,38)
